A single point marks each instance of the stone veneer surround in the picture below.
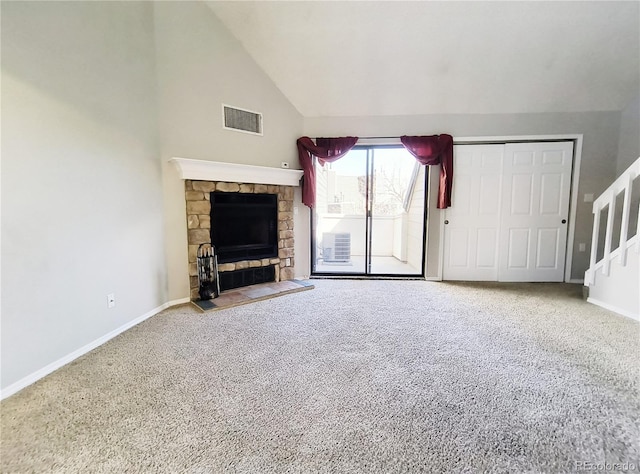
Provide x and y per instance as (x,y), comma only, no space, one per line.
(199,226)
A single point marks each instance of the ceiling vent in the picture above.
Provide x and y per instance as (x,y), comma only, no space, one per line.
(241,120)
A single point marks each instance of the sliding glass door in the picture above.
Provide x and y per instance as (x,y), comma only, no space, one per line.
(340,215)
(369,217)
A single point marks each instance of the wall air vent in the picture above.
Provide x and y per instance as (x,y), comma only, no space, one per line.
(241,120)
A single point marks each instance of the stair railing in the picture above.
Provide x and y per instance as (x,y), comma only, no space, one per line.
(608,198)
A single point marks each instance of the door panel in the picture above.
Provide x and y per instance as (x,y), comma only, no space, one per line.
(548,245)
(340,215)
(518,249)
(537,177)
(395,175)
(460,241)
(487,239)
(521,185)
(472,233)
(550,199)
(489,195)
(522,158)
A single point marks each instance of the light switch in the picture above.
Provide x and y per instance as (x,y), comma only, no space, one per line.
(588,197)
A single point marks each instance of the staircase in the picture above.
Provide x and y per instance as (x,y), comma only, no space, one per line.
(613,277)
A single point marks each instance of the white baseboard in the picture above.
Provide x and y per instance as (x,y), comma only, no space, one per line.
(171,303)
(38,374)
(614,308)
(576,280)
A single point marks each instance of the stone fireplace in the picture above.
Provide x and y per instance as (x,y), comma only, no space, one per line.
(197,195)
(201,178)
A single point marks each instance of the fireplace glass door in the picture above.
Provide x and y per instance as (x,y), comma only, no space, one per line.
(369,217)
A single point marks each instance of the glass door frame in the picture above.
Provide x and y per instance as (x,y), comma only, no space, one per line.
(369,225)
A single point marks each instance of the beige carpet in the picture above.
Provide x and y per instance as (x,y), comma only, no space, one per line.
(353,376)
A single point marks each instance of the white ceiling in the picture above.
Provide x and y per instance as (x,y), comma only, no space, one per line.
(348,58)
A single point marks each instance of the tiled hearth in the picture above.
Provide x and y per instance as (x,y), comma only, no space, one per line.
(197,194)
(251,294)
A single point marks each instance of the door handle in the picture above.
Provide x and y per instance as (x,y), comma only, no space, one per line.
(564,221)
(446,221)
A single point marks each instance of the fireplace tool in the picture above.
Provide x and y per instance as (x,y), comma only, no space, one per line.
(208,281)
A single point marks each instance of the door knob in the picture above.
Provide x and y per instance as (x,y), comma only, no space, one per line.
(564,221)
(446,222)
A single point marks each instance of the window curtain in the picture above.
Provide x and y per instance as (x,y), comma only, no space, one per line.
(327,150)
(435,150)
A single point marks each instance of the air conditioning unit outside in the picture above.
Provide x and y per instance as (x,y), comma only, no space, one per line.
(336,247)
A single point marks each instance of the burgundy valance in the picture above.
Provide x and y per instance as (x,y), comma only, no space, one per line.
(435,150)
(327,150)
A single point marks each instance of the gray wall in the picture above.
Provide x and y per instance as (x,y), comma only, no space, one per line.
(81,179)
(599,154)
(201,66)
(629,141)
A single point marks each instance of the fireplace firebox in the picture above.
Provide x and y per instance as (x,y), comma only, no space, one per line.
(244,226)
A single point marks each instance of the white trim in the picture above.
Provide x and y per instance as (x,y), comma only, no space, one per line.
(573,205)
(613,308)
(204,170)
(177,302)
(518,138)
(478,140)
(379,141)
(440,217)
(441,246)
(43,372)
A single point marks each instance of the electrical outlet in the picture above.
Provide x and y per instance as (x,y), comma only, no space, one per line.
(285,164)
(588,197)
(582,247)
(111,300)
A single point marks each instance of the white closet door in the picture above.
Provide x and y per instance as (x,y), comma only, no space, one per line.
(536,182)
(471,232)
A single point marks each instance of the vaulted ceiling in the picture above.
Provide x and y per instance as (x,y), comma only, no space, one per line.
(368,58)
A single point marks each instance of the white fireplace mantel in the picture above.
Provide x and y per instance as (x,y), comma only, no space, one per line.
(203,170)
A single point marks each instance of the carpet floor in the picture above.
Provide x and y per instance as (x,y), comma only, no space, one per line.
(351,377)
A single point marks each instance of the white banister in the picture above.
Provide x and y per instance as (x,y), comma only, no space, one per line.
(608,232)
(638,227)
(607,199)
(594,248)
(624,228)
